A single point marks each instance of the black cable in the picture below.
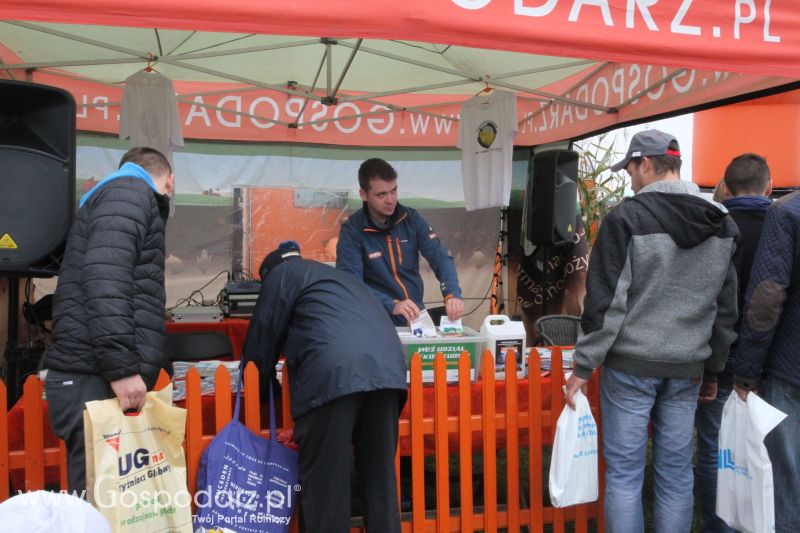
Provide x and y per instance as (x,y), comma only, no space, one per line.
(485,296)
(243,272)
(495,275)
(189,300)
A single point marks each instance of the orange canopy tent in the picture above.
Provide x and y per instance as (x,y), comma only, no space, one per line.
(381,72)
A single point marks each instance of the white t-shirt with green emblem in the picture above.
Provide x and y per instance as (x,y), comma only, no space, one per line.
(487,128)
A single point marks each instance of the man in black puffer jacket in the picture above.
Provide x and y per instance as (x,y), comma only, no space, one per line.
(108,308)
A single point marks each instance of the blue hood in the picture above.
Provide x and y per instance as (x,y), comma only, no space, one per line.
(128,170)
(747,203)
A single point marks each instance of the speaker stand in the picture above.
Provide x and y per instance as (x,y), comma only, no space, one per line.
(499,291)
(546,274)
(11,355)
(504,257)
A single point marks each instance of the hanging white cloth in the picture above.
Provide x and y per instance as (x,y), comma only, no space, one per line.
(149,114)
(487,127)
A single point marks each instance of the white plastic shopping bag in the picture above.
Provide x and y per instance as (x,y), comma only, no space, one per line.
(745,499)
(573,465)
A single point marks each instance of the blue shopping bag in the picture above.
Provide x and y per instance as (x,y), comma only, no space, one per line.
(246,483)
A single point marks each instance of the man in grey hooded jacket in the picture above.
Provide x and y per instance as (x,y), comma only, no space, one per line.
(659,316)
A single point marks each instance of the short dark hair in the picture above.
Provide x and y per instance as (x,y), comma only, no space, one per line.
(375,168)
(149,159)
(747,174)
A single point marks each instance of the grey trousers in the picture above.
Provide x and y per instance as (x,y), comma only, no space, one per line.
(67,393)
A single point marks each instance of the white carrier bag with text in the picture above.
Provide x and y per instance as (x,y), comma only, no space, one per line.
(573,465)
(745,498)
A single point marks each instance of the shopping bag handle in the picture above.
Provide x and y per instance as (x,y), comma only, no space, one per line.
(236,409)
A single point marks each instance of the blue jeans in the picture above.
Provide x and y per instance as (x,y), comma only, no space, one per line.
(628,404)
(783,447)
(707,421)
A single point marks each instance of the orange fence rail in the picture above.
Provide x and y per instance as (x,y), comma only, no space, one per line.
(40,464)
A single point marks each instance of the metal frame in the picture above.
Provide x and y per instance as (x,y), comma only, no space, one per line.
(330,95)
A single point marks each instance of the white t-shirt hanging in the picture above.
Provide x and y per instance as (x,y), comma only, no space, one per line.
(487,128)
(149,114)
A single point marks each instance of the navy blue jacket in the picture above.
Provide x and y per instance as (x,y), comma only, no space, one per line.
(748,212)
(336,338)
(388,259)
(769,341)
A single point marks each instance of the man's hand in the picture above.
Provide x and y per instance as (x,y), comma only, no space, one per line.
(407,309)
(708,392)
(742,392)
(573,384)
(131,392)
(455,308)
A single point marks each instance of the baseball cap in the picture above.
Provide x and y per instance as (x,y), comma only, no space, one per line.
(649,143)
(283,252)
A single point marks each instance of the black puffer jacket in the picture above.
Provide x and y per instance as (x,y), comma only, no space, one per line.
(109,303)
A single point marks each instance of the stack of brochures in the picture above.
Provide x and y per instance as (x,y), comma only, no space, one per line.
(207,371)
(545,352)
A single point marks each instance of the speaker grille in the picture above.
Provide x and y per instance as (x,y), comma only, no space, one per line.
(37,175)
(552,197)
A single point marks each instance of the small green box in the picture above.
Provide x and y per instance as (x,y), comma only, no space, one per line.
(472,342)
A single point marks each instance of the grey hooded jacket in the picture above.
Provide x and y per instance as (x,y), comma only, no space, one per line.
(661,287)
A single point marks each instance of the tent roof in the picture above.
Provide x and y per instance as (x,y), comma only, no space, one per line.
(264,66)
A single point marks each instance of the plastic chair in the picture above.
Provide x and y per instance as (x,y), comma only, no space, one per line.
(558,330)
(198,346)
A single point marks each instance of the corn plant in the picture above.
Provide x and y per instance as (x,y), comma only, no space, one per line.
(599,188)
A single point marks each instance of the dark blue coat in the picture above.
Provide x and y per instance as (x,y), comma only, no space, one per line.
(335,335)
(388,259)
(769,341)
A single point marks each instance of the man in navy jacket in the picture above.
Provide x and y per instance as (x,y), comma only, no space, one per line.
(747,180)
(769,346)
(347,374)
(380,244)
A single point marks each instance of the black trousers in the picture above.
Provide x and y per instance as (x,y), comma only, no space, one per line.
(67,394)
(366,422)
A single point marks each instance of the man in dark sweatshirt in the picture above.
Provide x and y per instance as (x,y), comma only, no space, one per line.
(747,180)
(659,314)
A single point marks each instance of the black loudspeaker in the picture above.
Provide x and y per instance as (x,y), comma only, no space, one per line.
(552,197)
(37,176)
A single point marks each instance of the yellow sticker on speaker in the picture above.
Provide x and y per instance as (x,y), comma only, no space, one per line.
(7,242)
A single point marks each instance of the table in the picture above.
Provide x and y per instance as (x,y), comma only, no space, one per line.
(234,328)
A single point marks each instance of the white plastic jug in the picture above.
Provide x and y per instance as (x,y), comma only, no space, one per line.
(503,334)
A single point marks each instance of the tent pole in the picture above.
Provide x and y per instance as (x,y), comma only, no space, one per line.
(646,90)
(503,257)
(456,83)
(329,56)
(347,67)
(250,50)
(296,122)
